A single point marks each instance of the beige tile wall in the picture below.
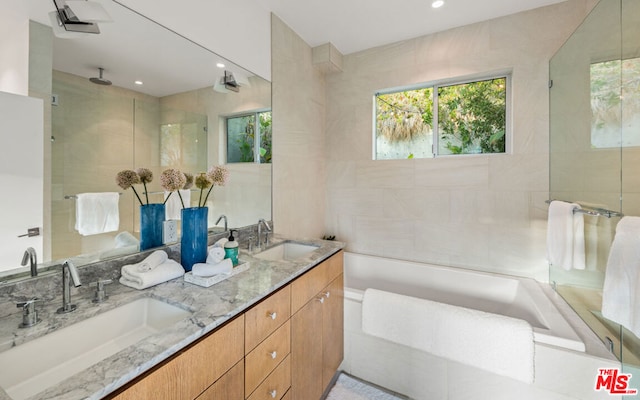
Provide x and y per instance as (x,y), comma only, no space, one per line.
(481,212)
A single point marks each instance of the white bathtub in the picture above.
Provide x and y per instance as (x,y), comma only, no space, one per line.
(499,294)
(563,369)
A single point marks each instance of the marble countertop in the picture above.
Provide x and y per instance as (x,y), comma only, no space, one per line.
(210,308)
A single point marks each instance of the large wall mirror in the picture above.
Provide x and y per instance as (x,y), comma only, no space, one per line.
(157,102)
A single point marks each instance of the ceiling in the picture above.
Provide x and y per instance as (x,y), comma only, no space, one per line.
(134,48)
(354,25)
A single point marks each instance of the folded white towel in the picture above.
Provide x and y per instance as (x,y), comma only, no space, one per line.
(621,291)
(219,243)
(97,213)
(205,269)
(215,255)
(565,236)
(141,280)
(126,239)
(173,206)
(495,343)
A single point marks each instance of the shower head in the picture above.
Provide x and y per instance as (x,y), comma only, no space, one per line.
(100,80)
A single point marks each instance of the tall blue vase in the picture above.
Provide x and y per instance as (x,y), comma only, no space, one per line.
(151,219)
(193,244)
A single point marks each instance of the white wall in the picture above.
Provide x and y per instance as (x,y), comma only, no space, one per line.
(484,212)
(237,30)
(14,47)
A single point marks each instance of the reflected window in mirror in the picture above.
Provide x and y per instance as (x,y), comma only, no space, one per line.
(249,138)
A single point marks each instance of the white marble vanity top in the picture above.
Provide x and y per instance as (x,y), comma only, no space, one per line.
(210,308)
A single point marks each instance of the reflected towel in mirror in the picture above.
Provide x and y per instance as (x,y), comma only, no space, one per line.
(97,213)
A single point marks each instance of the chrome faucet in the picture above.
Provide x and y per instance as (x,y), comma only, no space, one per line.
(69,273)
(262,222)
(30,255)
(220,218)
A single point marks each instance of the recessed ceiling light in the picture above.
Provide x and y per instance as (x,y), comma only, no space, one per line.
(220,65)
(138,82)
(437,4)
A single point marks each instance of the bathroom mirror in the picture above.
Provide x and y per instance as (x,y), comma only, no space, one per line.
(173,119)
(595,149)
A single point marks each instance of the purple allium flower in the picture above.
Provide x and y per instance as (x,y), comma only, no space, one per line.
(125,179)
(171,180)
(218,175)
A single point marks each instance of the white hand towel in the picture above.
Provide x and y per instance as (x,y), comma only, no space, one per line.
(621,292)
(97,213)
(126,239)
(495,343)
(141,280)
(219,243)
(204,269)
(173,206)
(215,255)
(565,236)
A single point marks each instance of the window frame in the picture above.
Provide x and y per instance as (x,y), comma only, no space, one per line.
(435,85)
(257,135)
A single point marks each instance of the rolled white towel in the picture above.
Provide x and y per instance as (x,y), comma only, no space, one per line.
(219,243)
(141,280)
(153,260)
(204,269)
(215,255)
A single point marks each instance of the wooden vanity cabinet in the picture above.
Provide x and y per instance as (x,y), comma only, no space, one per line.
(317,345)
(289,346)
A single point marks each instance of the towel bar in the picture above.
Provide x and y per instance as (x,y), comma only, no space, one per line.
(74,196)
(596,212)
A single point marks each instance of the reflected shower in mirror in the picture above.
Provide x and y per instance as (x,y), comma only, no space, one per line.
(159,111)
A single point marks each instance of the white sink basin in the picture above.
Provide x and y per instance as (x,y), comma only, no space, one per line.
(287,251)
(32,367)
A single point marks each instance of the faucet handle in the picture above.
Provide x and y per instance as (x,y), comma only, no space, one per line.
(29,312)
(101,293)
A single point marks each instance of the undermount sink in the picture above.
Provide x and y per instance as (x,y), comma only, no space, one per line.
(286,251)
(34,366)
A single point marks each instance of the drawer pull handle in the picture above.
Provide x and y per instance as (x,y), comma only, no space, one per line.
(272,315)
(273,355)
(273,394)
(321,300)
(327,294)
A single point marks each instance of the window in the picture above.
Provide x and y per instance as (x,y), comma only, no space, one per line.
(439,119)
(249,135)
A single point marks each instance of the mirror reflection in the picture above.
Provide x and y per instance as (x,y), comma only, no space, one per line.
(159,102)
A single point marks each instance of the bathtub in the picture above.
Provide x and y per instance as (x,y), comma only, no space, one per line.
(563,369)
(515,297)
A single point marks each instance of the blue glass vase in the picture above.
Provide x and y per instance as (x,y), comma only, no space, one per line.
(151,219)
(193,244)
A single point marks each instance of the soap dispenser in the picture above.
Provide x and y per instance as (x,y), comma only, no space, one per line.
(231,249)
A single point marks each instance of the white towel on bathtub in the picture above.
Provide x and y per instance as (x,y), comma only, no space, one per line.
(621,292)
(565,236)
(495,343)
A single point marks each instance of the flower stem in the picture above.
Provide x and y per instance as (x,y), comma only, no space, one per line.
(207,196)
(169,195)
(179,195)
(136,193)
(146,192)
(200,199)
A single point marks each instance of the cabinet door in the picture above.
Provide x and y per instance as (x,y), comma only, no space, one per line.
(229,387)
(332,329)
(306,351)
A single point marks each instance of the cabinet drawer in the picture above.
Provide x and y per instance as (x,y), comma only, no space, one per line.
(311,283)
(276,384)
(264,318)
(229,387)
(266,356)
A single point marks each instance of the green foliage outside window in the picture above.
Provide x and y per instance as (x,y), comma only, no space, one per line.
(471,118)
